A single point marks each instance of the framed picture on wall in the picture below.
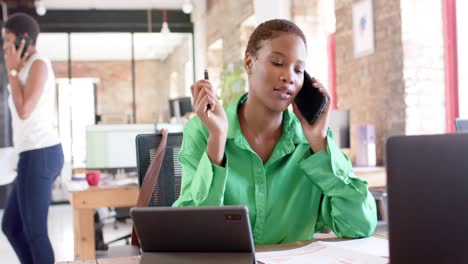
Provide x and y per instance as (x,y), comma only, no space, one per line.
(363,28)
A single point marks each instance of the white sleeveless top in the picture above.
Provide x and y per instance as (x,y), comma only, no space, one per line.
(39,130)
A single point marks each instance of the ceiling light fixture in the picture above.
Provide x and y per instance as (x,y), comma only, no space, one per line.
(187,7)
(165,27)
(40,7)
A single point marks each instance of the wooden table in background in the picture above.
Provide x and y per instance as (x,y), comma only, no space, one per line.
(84,200)
(376,177)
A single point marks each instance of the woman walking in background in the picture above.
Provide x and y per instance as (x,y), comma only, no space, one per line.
(35,138)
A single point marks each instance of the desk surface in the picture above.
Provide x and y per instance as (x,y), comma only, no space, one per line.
(85,199)
(136,259)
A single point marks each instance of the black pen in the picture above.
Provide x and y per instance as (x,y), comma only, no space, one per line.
(208,106)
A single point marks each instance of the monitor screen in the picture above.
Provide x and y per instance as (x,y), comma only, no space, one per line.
(182,105)
(113,146)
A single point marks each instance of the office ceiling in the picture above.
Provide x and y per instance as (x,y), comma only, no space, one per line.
(109,46)
(113,4)
(106,46)
(99,4)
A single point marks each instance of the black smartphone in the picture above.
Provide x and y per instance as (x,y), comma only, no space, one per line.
(27,42)
(310,101)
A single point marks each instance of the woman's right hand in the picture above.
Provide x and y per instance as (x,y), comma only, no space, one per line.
(214,118)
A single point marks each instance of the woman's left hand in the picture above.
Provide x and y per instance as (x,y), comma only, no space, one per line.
(13,59)
(316,133)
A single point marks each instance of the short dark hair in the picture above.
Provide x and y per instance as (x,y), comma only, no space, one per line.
(21,23)
(266,31)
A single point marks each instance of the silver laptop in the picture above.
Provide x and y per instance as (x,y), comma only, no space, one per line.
(194,234)
(428,198)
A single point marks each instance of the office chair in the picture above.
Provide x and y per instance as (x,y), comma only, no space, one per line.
(167,187)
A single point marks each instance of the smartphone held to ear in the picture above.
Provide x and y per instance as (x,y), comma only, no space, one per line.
(27,42)
(310,101)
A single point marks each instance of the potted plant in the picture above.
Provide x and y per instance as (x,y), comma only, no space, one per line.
(232,82)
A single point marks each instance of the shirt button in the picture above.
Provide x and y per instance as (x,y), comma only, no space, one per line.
(199,196)
(340,172)
(260,213)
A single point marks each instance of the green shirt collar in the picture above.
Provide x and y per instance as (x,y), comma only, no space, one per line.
(292,130)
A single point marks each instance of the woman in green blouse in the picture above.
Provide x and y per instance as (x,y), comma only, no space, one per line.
(291,175)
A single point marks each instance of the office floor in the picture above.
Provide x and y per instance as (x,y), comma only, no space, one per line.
(61,235)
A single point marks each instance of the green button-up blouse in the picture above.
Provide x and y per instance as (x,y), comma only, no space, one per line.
(293,195)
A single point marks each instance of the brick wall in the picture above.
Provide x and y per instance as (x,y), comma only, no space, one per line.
(372,87)
(151,91)
(304,14)
(114,87)
(175,64)
(224,19)
(311,16)
(423,67)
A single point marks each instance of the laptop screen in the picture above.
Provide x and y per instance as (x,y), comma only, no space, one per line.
(428,198)
(193,229)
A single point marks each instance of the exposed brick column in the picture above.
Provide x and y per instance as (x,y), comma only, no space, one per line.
(372,87)
(224,19)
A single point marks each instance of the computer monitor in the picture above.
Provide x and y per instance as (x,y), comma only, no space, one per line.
(339,124)
(180,106)
(427,183)
(113,146)
(461,125)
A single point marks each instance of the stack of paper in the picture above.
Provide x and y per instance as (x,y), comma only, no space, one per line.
(358,251)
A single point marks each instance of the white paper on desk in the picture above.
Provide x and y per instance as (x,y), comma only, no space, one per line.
(371,245)
(318,252)
(8,163)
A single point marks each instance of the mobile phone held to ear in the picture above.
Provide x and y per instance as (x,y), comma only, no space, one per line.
(27,42)
(310,101)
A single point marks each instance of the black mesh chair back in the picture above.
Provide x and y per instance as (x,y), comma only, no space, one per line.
(167,187)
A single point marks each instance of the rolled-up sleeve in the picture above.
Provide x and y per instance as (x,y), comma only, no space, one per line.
(348,208)
(203,183)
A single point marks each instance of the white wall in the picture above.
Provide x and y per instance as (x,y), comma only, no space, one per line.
(462,35)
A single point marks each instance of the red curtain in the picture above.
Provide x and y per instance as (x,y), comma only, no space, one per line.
(451,63)
(332,69)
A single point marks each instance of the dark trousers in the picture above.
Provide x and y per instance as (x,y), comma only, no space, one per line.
(25,217)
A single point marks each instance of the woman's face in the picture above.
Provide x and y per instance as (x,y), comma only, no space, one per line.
(276,73)
(8,38)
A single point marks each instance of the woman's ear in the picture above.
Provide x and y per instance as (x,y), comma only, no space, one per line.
(248,63)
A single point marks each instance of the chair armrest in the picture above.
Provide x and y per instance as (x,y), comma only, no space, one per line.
(123,251)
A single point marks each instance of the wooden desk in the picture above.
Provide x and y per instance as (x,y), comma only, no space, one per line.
(84,200)
(136,259)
